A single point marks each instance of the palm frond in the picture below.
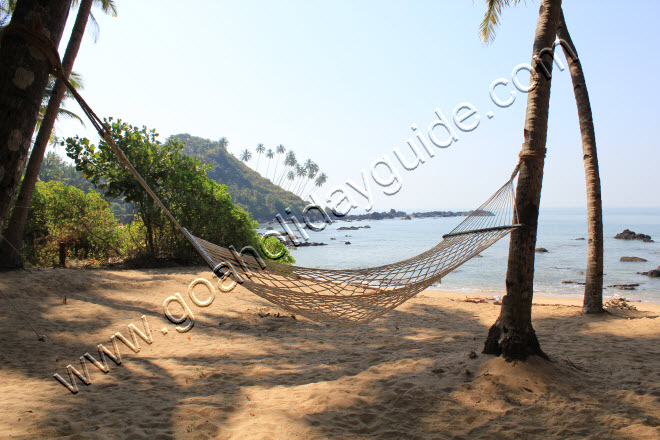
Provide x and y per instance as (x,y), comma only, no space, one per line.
(68,114)
(76,80)
(107,6)
(94,28)
(492,17)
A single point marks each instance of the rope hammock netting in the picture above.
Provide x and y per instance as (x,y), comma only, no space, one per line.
(344,297)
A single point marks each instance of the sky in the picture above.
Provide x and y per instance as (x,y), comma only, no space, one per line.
(342,82)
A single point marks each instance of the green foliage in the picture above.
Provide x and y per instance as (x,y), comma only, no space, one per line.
(491,18)
(200,204)
(53,168)
(64,214)
(274,249)
(249,189)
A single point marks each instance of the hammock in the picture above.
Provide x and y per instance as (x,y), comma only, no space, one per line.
(355,296)
(350,296)
(345,297)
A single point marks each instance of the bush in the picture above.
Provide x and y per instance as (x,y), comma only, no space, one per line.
(199,203)
(64,214)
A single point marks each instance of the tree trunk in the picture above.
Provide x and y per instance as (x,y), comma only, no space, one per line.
(512,336)
(23,78)
(14,232)
(593,289)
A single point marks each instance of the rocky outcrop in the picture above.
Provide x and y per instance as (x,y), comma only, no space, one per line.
(451,214)
(619,303)
(653,273)
(353,228)
(629,286)
(392,213)
(632,259)
(310,243)
(627,234)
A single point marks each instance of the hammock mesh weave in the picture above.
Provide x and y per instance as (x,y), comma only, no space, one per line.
(359,295)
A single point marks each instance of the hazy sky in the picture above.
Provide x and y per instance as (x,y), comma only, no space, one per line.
(341,83)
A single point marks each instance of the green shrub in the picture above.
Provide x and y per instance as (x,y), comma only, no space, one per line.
(64,214)
(200,204)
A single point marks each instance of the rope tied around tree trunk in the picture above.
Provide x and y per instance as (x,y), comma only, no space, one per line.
(529,155)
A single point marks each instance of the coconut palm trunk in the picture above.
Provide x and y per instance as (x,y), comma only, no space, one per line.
(593,289)
(513,336)
(16,226)
(23,79)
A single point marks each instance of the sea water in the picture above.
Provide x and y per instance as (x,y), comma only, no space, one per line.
(388,241)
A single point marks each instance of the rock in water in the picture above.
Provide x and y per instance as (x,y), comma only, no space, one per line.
(310,243)
(541,250)
(632,259)
(629,286)
(653,273)
(627,234)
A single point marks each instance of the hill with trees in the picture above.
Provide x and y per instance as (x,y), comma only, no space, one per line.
(257,194)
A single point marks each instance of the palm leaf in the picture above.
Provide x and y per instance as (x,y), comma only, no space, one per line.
(491,19)
(68,114)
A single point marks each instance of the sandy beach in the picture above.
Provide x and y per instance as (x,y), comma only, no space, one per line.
(248,370)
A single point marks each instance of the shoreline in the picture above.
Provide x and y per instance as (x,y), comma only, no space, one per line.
(541,300)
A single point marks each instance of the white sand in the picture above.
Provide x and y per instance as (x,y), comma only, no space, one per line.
(239,375)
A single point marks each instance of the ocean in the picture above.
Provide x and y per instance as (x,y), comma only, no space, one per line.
(388,241)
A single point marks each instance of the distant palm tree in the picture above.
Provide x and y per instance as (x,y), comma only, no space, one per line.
(269,155)
(290,162)
(321,179)
(312,171)
(301,172)
(246,155)
(260,150)
(291,176)
(280,149)
(224,143)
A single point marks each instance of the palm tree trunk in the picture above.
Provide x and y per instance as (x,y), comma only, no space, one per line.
(302,191)
(14,232)
(593,289)
(277,164)
(298,186)
(512,336)
(23,79)
(280,181)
